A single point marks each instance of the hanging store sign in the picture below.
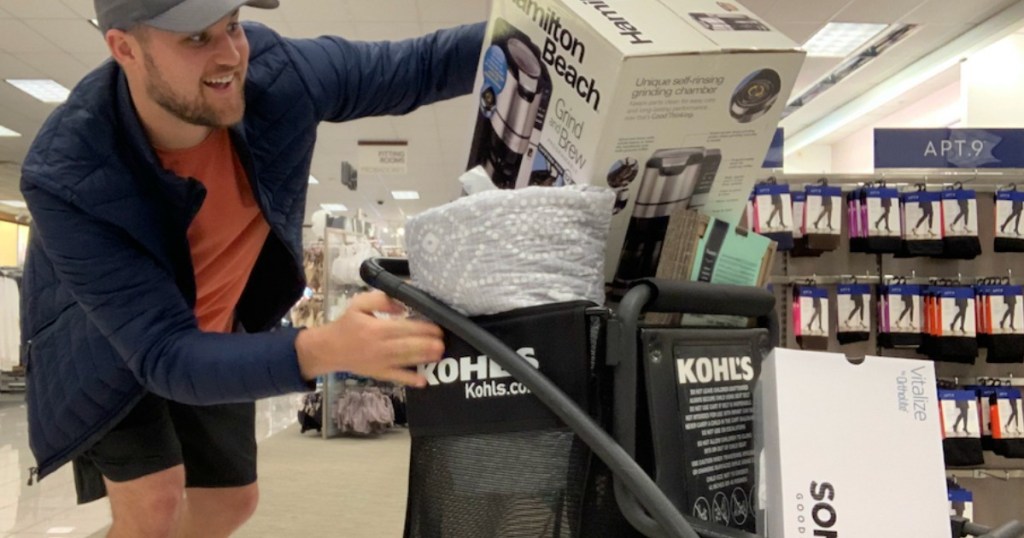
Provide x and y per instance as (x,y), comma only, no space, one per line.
(383,158)
(775,159)
(949,148)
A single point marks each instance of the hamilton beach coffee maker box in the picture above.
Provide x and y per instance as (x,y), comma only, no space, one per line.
(672,103)
(849,449)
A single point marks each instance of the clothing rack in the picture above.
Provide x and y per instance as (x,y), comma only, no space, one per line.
(12,374)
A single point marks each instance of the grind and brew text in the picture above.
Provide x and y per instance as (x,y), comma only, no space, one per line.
(566,53)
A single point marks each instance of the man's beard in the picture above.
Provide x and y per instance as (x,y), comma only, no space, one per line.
(196,112)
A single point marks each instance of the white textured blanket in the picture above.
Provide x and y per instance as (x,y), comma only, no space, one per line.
(500,250)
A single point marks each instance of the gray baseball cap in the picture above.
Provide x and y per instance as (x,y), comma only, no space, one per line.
(185,16)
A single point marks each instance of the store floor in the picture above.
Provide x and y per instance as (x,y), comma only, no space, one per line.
(352,488)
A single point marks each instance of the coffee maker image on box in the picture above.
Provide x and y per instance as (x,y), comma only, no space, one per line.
(708,170)
(513,104)
(755,95)
(668,181)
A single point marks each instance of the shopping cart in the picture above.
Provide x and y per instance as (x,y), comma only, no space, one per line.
(633,487)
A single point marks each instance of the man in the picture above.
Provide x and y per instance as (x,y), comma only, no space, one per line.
(167,197)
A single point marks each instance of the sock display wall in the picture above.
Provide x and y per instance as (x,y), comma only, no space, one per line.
(927,269)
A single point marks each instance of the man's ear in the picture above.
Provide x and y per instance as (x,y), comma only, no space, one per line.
(124,47)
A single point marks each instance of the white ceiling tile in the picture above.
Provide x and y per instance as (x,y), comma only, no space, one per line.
(60,66)
(316,11)
(877,11)
(92,60)
(380,31)
(267,16)
(424,153)
(946,12)
(16,37)
(759,7)
(83,8)
(320,28)
(799,32)
(812,11)
(13,67)
(453,11)
(39,9)
(71,35)
(384,10)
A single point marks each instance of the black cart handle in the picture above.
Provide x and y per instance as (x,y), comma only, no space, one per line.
(685,297)
(1013,529)
(631,475)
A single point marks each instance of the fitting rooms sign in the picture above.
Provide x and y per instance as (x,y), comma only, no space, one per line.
(383,158)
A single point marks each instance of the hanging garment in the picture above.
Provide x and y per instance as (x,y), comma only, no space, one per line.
(311,414)
(363,411)
(313,266)
(10,324)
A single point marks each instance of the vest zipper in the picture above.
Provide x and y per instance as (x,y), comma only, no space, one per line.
(33,474)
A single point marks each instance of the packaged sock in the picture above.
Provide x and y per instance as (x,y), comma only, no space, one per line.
(1009,236)
(1008,423)
(901,315)
(881,205)
(854,306)
(961,436)
(922,223)
(986,396)
(810,316)
(952,329)
(800,248)
(960,218)
(856,221)
(1001,321)
(823,214)
(773,209)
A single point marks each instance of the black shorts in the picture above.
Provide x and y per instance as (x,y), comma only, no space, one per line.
(216,443)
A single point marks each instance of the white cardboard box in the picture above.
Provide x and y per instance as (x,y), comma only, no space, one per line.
(850,449)
(670,102)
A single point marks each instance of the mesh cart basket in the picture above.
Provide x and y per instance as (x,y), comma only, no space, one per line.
(565,420)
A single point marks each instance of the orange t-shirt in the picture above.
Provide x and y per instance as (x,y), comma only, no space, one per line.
(227,234)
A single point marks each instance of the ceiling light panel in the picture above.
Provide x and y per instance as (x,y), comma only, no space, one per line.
(334,208)
(840,39)
(313,181)
(14,203)
(405,195)
(7,133)
(45,90)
